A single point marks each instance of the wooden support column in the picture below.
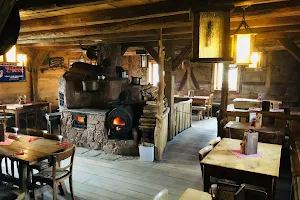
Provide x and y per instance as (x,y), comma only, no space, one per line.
(224,98)
(153,53)
(169,90)
(269,72)
(36,59)
(291,47)
(161,129)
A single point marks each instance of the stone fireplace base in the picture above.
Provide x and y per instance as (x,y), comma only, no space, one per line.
(95,135)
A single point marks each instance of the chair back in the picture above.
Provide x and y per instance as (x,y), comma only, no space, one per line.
(202,153)
(34,132)
(58,157)
(215,141)
(162,195)
(51,136)
(211,99)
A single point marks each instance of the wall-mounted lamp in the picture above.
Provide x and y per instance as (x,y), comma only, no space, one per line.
(144,61)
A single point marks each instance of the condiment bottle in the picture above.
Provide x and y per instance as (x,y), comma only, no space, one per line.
(214,191)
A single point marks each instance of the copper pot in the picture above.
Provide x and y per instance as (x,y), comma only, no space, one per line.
(136,80)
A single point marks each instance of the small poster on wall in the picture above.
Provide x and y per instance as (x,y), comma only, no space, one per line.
(12,73)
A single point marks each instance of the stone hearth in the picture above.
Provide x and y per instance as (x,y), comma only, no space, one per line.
(95,136)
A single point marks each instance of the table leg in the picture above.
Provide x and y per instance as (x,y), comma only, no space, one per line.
(206,179)
(17,119)
(23,168)
(270,187)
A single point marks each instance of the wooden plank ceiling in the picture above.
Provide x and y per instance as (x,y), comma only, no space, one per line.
(66,23)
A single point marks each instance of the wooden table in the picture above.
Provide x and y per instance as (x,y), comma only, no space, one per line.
(17,109)
(248,103)
(197,100)
(267,134)
(260,171)
(192,194)
(33,152)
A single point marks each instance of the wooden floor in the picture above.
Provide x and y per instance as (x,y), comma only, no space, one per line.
(99,178)
(134,179)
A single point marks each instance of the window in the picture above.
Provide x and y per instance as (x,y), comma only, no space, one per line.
(153,74)
(232,77)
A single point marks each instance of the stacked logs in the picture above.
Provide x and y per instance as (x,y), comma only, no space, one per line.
(148,120)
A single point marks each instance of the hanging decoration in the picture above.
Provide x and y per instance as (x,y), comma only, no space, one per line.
(243,45)
(211,34)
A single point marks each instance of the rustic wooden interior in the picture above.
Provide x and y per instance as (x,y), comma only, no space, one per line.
(162,28)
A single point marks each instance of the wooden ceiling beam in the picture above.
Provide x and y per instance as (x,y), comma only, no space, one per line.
(140,12)
(153,53)
(146,11)
(270,10)
(291,47)
(139,25)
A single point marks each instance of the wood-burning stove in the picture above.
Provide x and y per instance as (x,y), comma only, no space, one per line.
(120,121)
(79,120)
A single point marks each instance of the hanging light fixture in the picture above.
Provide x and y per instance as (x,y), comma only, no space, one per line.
(211,34)
(242,46)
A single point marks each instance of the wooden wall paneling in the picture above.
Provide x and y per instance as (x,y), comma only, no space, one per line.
(37,56)
(269,72)
(291,47)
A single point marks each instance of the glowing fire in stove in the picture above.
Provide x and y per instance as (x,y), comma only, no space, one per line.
(79,119)
(119,121)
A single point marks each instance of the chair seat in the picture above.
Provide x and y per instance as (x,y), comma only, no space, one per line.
(10,193)
(47,174)
(42,165)
(198,108)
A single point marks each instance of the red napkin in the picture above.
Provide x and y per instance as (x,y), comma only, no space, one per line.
(64,144)
(20,153)
(33,139)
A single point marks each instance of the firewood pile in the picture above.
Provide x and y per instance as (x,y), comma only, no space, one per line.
(147,122)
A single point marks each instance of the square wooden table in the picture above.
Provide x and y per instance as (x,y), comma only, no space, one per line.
(197,100)
(260,171)
(192,194)
(33,152)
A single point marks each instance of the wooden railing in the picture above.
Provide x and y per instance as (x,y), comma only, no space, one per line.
(183,117)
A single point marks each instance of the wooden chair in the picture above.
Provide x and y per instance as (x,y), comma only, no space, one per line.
(55,175)
(202,153)
(251,194)
(34,132)
(51,136)
(215,141)
(209,105)
(162,195)
(200,111)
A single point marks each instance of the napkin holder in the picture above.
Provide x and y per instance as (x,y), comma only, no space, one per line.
(249,143)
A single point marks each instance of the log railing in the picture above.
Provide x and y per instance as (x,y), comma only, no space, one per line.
(183,117)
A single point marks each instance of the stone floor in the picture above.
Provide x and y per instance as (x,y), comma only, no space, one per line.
(100,176)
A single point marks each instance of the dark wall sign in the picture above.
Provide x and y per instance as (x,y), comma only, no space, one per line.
(12,73)
(56,62)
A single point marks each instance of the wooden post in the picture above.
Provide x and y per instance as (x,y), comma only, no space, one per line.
(160,134)
(189,74)
(224,97)
(169,90)
(269,72)
(36,59)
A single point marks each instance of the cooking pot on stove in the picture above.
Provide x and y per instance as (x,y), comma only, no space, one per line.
(136,80)
(90,86)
